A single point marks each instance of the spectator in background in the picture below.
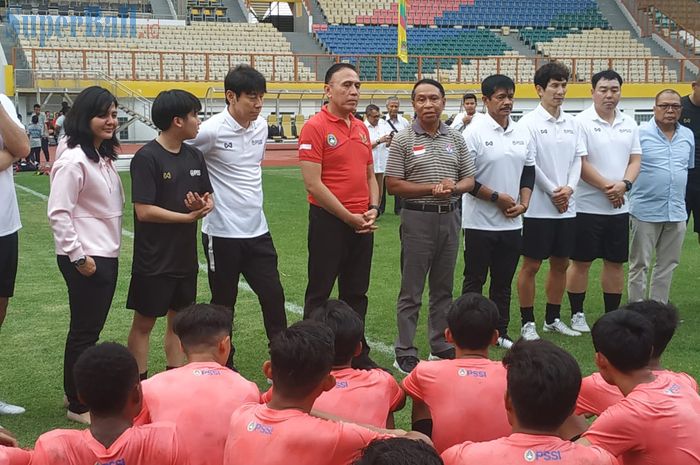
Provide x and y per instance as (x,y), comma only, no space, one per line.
(34,130)
(657,201)
(380,135)
(464,118)
(44,132)
(397,123)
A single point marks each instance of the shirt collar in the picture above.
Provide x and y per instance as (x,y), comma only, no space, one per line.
(418,129)
(597,117)
(495,126)
(545,115)
(237,127)
(660,132)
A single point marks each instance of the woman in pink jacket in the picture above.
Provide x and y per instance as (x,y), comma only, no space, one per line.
(85,213)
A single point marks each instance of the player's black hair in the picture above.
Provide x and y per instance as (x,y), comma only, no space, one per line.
(301,356)
(202,325)
(93,101)
(608,75)
(554,70)
(346,325)
(35,119)
(469,96)
(663,317)
(399,451)
(626,338)
(245,79)
(472,319)
(36,105)
(543,383)
(491,84)
(372,107)
(173,103)
(104,377)
(335,68)
(429,81)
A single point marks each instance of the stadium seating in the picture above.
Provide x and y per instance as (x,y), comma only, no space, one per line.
(206,10)
(190,53)
(76,7)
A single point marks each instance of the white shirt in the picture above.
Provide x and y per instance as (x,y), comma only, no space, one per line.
(381,152)
(499,155)
(9,211)
(60,123)
(609,148)
(234,156)
(399,123)
(559,145)
(458,123)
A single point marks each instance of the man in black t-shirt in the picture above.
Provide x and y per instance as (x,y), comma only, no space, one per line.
(690,117)
(170,190)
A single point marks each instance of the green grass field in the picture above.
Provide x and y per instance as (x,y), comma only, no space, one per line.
(32,338)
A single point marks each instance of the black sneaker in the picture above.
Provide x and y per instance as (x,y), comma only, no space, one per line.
(406,364)
(363,362)
(448,354)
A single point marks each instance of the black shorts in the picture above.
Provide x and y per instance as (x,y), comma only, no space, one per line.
(153,296)
(692,206)
(9,252)
(548,237)
(602,236)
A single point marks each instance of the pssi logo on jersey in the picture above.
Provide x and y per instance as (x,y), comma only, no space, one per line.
(228,145)
(544,455)
(254,427)
(256,142)
(626,130)
(342,384)
(463,372)
(195,172)
(112,462)
(673,389)
(206,372)
(332,140)
(449,149)
(518,142)
(167,175)
(543,131)
(418,150)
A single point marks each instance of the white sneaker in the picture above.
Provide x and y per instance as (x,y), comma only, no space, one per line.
(578,323)
(559,327)
(9,409)
(529,332)
(505,342)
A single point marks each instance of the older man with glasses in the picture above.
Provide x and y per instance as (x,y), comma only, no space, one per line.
(657,200)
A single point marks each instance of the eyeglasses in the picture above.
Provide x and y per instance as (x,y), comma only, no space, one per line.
(672,106)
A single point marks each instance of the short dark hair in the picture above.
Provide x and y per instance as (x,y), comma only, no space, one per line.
(554,70)
(608,75)
(104,376)
(36,105)
(625,338)
(245,79)
(491,84)
(346,325)
(429,81)
(663,317)
(335,68)
(173,103)
(93,101)
(399,451)
(202,325)
(469,96)
(371,107)
(472,319)
(35,119)
(543,383)
(301,356)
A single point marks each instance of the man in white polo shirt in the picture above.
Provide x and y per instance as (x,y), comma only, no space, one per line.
(549,224)
(397,123)
(607,173)
(504,155)
(235,234)
(380,135)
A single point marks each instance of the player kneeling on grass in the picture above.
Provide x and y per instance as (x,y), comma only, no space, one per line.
(107,381)
(283,431)
(399,451)
(200,396)
(543,382)
(597,395)
(170,190)
(658,420)
(462,399)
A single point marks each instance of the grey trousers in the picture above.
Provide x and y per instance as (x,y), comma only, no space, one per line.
(666,239)
(429,245)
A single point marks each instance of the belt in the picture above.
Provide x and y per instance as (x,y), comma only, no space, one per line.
(430,207)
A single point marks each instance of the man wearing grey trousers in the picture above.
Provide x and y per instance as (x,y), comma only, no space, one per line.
(429,166)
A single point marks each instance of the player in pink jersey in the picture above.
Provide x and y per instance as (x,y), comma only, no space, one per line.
(658,420)
(448,392)
(10,453)
(399,451)
(543,383)
(596,395)
(200,396)
(283,431)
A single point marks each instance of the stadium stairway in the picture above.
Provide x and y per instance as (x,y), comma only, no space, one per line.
(161,9)
(303,43)
(512,41)
(9,40)
(235,12)
(316,12)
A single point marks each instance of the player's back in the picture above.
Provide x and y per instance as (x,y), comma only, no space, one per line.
(465,397)
(199,398)
(14,456)
(140,445)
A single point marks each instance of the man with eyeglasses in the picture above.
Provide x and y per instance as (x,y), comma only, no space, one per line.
(657,199)
(380,134)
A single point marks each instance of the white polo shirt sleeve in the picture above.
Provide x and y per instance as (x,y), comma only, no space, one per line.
(9,210)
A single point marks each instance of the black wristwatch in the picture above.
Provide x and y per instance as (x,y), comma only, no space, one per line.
(374,207)
(628,185)
(494,196)
(80,261)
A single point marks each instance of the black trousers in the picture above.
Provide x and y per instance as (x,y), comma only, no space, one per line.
(496,252)
(256,259)
(336,251)
(89,299)
(45,147)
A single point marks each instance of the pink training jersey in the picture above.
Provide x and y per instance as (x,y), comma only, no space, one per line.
(519,448)
(596,395)
(14,456)
(360,396)
(657,423)
(262,436)
(140,445)
(465,397)
(199,398)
